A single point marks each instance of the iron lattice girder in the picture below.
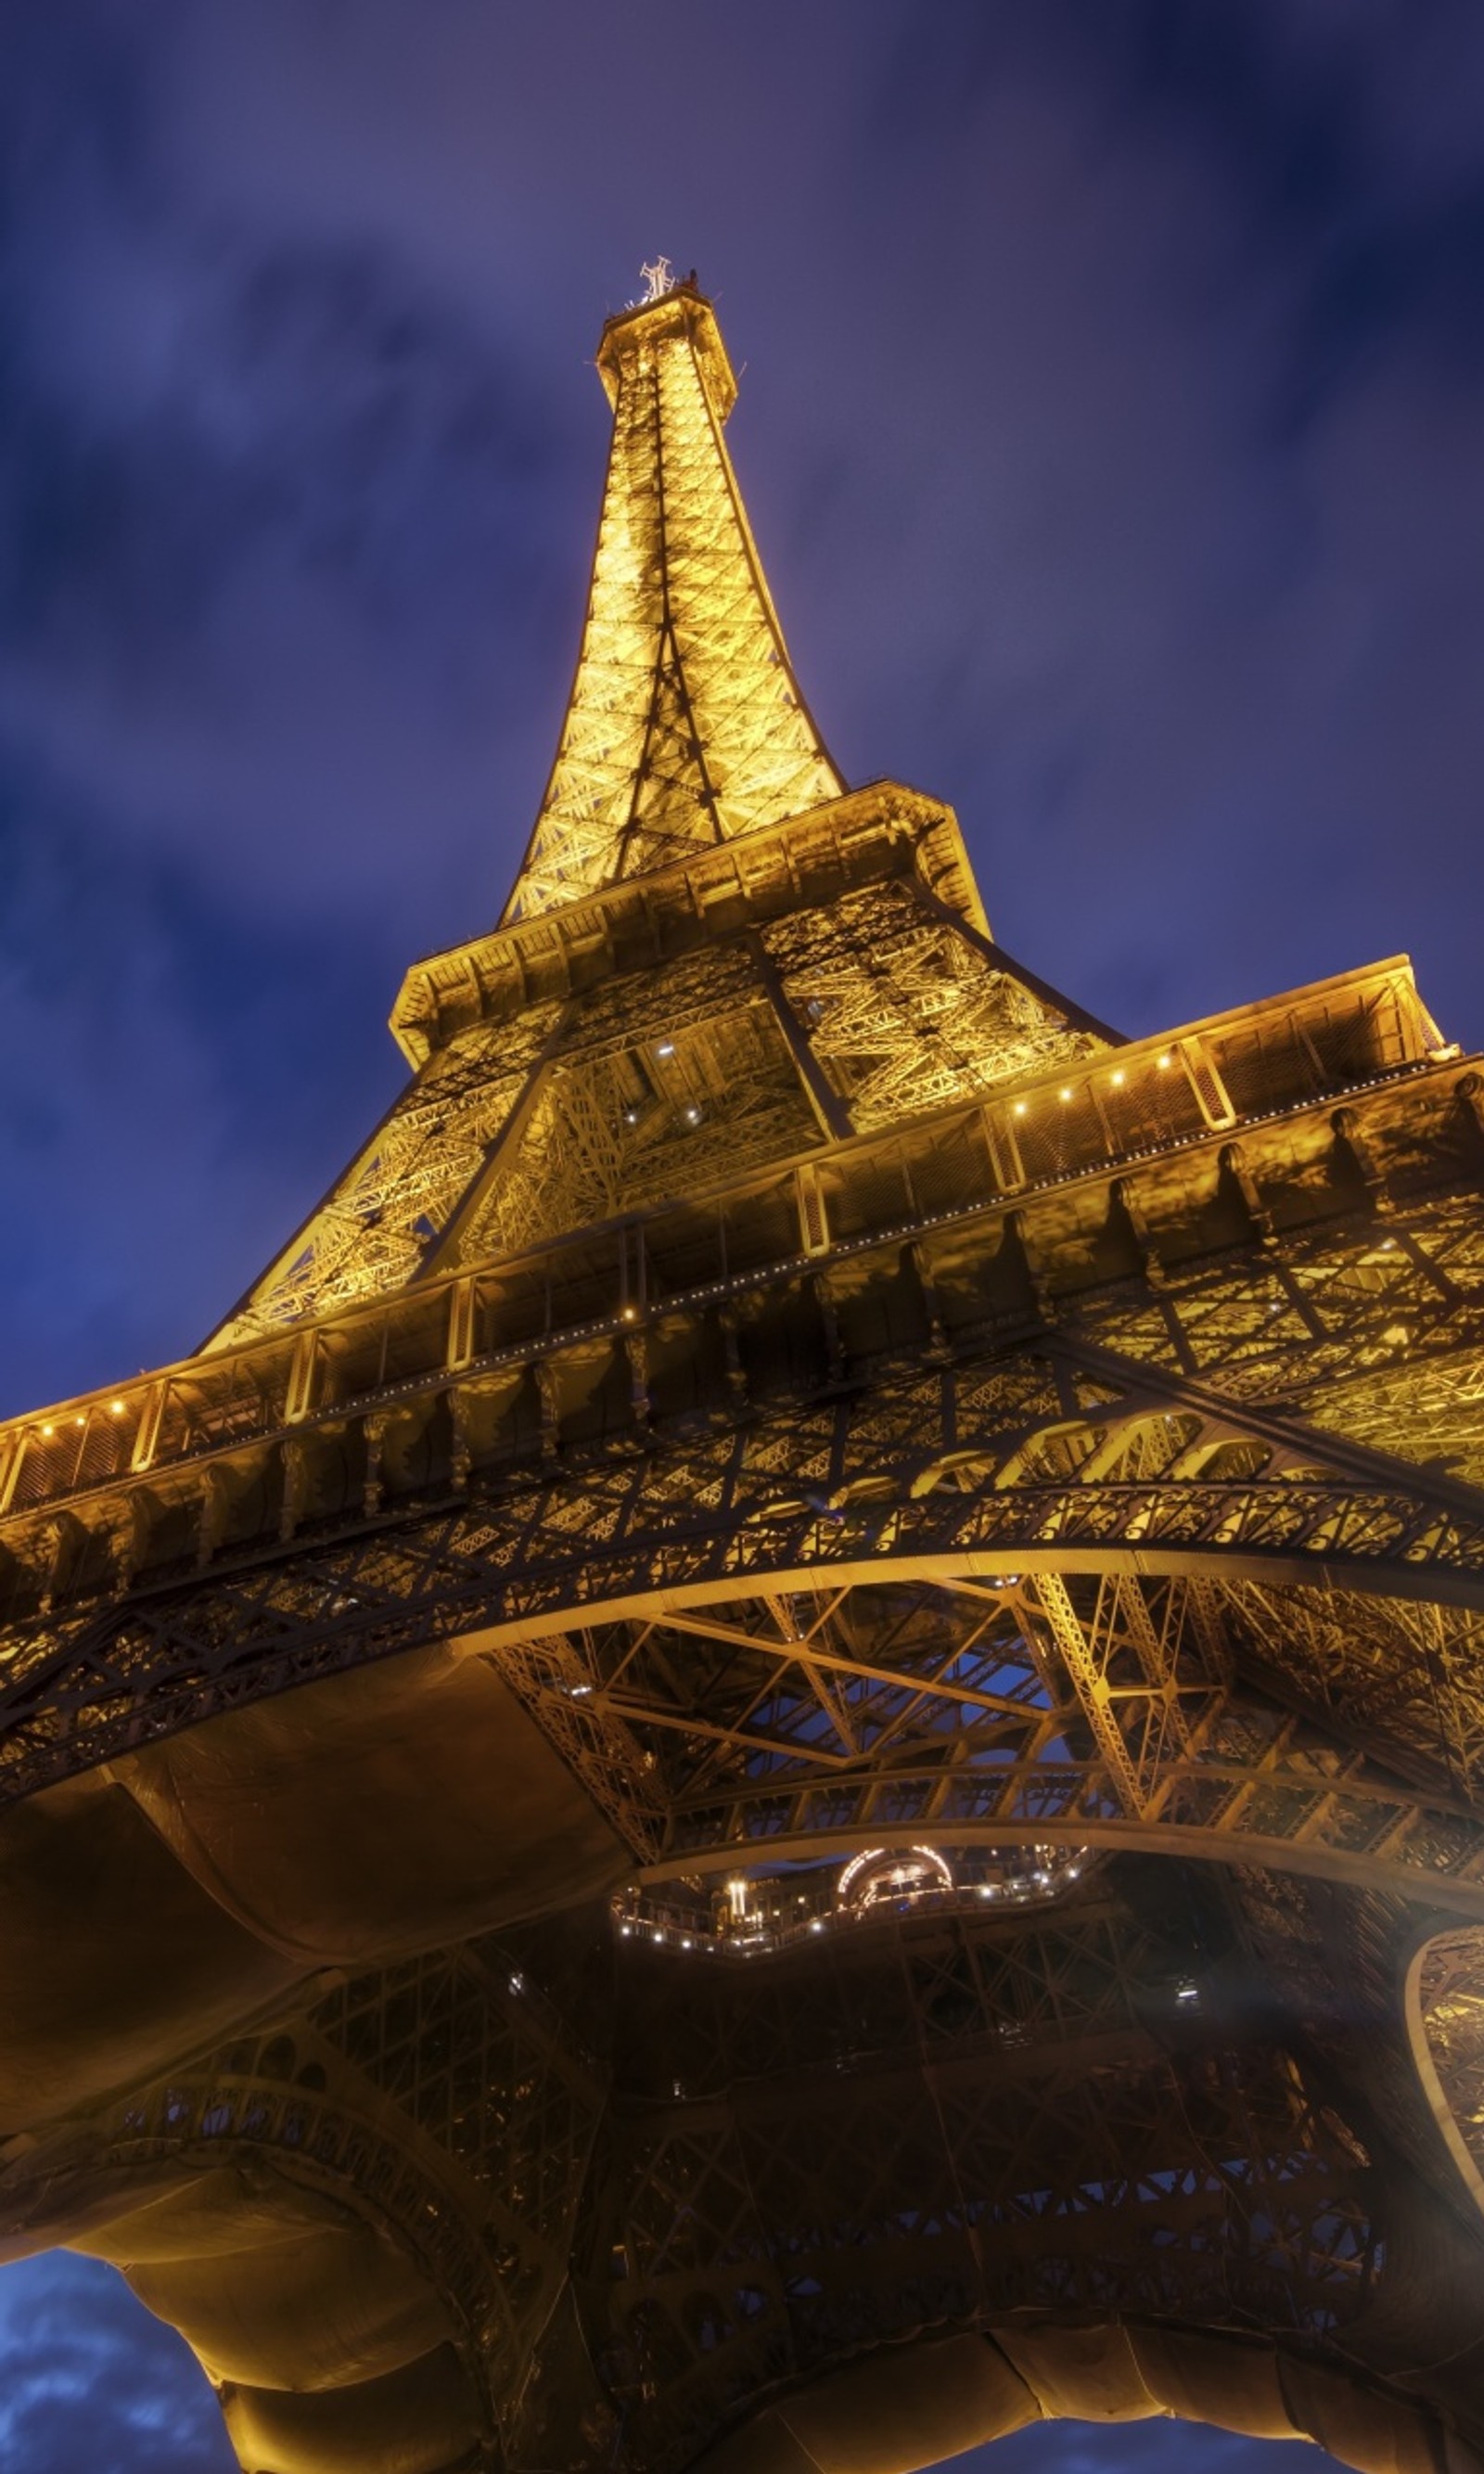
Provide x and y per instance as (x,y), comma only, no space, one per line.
(753,1762)
(1048,1460)
(1356,1296)
(1349,1311)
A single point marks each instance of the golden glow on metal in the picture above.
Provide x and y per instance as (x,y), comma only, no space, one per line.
(685,724)
(775,1386)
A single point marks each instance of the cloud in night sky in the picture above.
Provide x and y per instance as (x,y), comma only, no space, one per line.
(1112,384)
(89,2384)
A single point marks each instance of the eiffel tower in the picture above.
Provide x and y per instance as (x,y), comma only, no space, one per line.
(778,1759)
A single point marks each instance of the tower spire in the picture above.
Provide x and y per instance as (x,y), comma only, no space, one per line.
(685,725)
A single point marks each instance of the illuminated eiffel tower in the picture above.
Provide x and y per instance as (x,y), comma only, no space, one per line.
(777,1760)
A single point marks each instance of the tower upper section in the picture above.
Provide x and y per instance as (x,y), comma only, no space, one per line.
(685,725)
(716,959)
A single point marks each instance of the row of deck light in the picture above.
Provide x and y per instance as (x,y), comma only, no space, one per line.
(1117,1078)
(934,1880)
(115,1410)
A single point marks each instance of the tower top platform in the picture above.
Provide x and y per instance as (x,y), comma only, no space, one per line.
(684,312)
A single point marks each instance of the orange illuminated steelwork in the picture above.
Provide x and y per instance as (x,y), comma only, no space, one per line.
(778,1759)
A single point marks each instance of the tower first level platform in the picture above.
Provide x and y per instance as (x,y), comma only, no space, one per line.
(775,1760)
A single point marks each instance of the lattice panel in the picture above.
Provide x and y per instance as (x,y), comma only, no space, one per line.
(1032,1984)
(261,2102)
(616,1131)
(1400,1677)
(1255,2193)
(905,1011)
(1450,1999)
(876,1681)
(818,2215)
(459,2053)
(383,1218)
(1373,1325)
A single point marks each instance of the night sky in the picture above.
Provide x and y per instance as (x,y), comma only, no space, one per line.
(1113,396)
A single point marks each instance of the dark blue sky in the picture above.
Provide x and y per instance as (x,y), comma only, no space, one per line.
(1112,390)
